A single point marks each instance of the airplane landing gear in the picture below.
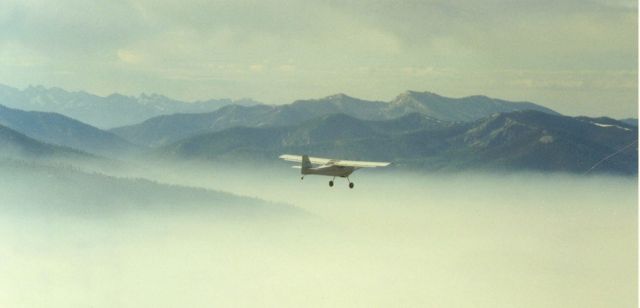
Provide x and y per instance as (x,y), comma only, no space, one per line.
(330,183)
(350,183)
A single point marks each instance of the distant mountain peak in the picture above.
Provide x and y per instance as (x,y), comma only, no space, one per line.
(338,97)
(428,94)
(413,96)
(480,97)
(419,93)
(117,95)
(153,96)
(104,111)
(36,87)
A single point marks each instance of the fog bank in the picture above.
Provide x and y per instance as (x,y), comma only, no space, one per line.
(397,239)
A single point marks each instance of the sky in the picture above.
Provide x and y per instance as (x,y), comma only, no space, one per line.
(578,57)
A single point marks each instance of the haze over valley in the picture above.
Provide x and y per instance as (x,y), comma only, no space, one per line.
(398,238)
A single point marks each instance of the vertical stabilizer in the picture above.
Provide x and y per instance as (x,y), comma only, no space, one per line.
(306,163)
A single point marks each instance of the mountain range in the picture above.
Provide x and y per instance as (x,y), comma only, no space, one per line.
(105,112)
(418,130)
(15,145)
(61,130)
(520,140)
(163,130)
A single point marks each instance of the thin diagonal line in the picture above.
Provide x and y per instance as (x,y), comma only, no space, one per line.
(611,155)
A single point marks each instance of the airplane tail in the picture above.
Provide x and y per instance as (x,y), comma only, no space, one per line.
(306,163)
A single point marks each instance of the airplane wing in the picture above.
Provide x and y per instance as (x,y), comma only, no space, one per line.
(298,159)
(337,162)
(360,164)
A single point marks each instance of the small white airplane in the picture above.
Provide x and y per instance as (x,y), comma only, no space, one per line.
(330,167)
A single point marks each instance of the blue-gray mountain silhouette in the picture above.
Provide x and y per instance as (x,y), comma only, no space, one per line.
(521,140)
(61,130)
(170,128)
(104,112)
(14,145)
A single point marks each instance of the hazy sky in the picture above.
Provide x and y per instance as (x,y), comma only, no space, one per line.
(575,56)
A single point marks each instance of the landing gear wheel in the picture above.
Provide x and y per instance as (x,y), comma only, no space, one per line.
(330,183)
(351,185)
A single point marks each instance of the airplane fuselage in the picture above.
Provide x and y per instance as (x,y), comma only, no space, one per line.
(329,170)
